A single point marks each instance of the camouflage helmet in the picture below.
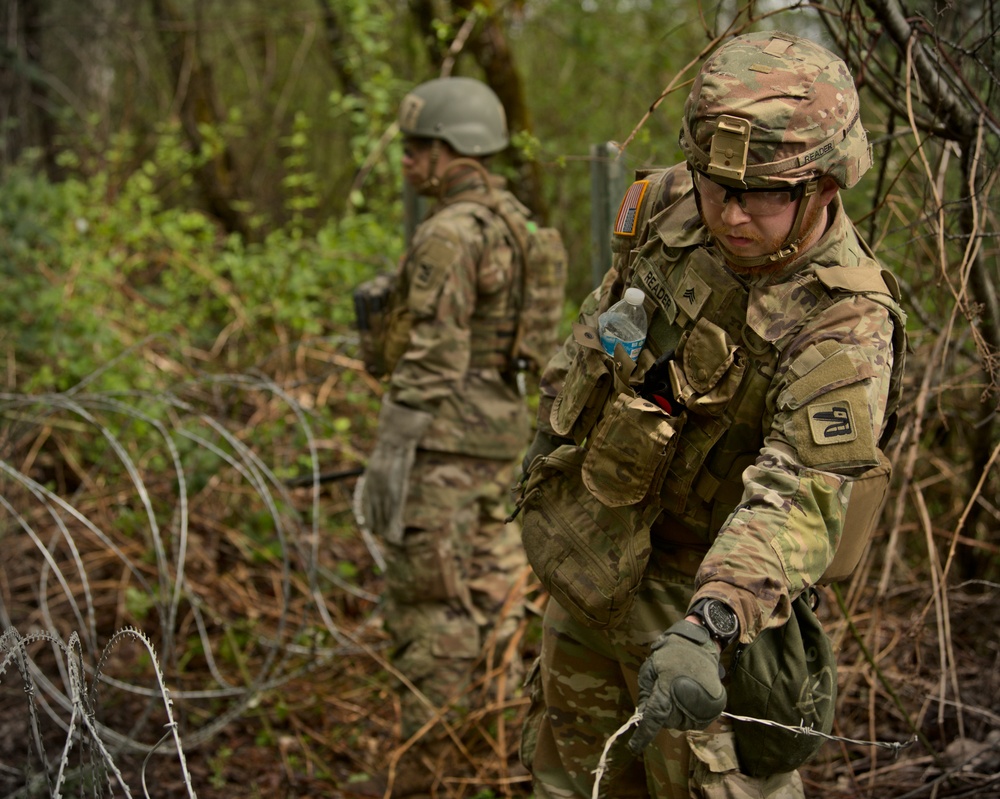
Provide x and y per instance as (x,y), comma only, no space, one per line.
(771,109)
(464,112)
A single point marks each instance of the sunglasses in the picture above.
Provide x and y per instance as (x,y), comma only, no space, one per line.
(755,202)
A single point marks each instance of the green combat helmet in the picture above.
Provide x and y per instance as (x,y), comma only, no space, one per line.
(773,110)
(464,112)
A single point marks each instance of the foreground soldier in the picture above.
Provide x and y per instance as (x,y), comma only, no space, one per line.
(713,481)
(453,421)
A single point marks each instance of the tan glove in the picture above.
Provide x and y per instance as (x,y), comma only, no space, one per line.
(387,476)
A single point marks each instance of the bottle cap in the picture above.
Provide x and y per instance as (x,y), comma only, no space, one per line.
(634,296)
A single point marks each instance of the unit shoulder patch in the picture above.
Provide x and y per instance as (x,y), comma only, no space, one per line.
(832,422)
(835,431)
(432,262)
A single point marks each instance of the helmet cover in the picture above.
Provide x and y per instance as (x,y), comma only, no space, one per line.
(771,109)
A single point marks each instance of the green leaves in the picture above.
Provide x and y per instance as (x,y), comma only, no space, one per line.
(100,263)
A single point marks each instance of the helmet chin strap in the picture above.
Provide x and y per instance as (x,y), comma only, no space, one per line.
(431,184)
(792,241)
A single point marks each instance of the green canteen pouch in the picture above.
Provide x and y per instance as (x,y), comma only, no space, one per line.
(631,449)
(589,556)
(787,674)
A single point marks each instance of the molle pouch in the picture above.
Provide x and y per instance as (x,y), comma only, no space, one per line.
(868,495)
(585,389)
(630,451)
(707,370)
(589,556)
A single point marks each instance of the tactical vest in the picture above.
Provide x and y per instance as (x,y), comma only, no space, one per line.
(721,341)
(529,335)
(522,338)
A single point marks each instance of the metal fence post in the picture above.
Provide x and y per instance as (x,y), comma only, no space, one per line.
(607,186)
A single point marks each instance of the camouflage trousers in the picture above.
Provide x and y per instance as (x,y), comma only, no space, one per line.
(453,586)
(584,688)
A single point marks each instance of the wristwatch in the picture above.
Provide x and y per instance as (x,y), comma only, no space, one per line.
(719,619)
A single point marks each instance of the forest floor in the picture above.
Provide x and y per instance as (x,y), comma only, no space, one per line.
(276,661)
(332,726)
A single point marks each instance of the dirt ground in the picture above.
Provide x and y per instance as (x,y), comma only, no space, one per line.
(274,699)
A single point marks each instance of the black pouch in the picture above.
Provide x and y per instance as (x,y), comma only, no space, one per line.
(788,674)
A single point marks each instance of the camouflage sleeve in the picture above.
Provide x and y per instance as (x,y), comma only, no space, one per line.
(828,402)
(439,274)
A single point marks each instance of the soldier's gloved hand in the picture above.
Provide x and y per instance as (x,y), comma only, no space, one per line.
(680,685)
(386,478)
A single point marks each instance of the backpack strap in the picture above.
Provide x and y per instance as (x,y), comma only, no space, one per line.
(519,233)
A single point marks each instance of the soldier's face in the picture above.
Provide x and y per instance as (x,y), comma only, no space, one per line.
(748,235)
(416,161)
(422,160)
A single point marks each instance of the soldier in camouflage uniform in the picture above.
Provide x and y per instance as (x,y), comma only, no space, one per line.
(453,422)
(782,343)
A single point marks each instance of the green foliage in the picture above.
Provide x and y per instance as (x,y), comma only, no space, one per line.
(138,603)
(99,263)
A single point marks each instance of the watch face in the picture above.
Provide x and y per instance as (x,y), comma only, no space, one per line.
(721,618)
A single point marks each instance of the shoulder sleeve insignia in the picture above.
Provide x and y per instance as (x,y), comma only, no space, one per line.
(627,221)
(832,423)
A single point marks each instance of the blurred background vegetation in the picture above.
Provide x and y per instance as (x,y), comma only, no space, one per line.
(189,191)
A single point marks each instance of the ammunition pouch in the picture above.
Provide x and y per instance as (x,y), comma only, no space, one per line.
(586,512)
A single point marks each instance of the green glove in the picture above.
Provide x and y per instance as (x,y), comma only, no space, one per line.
(386,480)
(680,684)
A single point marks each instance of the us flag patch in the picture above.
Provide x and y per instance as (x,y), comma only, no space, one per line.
(628,213)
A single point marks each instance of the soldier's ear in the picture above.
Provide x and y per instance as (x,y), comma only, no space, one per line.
(827,190)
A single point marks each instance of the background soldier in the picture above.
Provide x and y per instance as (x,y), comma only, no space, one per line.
(453,421)
(750,427)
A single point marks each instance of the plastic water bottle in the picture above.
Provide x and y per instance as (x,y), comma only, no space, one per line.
(625,321)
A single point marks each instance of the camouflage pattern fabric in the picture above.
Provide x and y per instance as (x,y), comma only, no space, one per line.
(448,584)
(456,281)
(585,688)
(811,108)
(756,495)
(451,598)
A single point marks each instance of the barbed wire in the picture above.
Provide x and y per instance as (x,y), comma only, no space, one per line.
(602,765)
(82,725)
(153,473)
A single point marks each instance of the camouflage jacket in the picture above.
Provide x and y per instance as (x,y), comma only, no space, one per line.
(455,288)
(785,385)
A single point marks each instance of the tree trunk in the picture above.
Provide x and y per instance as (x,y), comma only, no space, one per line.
(488,46)
(24,102)
(217,177)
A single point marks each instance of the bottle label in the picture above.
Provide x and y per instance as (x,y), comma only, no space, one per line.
(632,348)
